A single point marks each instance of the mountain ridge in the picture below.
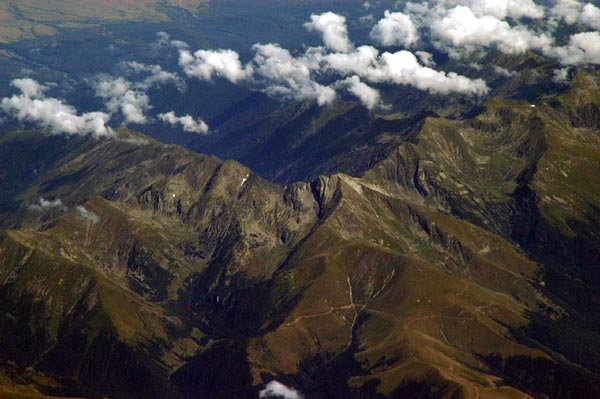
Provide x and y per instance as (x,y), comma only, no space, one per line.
(424,273)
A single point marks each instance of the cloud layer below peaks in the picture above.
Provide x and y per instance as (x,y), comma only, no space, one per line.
(318,73)
(463,29)
(456,27)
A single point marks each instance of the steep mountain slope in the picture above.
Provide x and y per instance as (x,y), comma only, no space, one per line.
(462,264)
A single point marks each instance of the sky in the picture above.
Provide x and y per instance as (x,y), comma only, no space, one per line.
(395,54)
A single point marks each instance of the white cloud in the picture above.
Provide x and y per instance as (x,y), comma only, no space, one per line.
(275,389)
(156,76)
(401,67)
(333,29)
(590,16)
(273,70)
(130,98)
(461,28)
(33,106)
(568,10)
(503,8)
(583,48)
(504,72)
(356,62)
(425,58)
(121,96)
(289,77)
(163,40)
(88,215)
(187,122)
(318,72)
(367,20)
(44,204)
(561,75)
(368,96)
(395,29)
(29,87)
(205,64)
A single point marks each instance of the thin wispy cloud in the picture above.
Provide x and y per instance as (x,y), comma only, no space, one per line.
(87,215)
(154,76)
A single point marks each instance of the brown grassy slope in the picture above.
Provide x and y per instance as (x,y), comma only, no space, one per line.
(30,18)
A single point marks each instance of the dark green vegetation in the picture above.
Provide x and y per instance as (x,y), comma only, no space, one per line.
(459,260)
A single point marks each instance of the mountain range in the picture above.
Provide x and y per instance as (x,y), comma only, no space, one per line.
(444,256)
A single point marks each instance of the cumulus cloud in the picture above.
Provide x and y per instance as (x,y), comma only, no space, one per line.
(44,204)
(367,95)
(583,48)
(561,75)
(130,97)
(402,67)
(206,64)
(567,10)
(333,30)
(289,77)
(275,389)
(395,29)
(29,87)
(461,28)
(273,70)
(187,122)
(88,215)
(359,61)
(32,105)
(120,95)
(590,16)
(316,73)
(502,8)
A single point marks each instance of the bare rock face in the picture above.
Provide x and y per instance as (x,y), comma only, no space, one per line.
(462,264)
